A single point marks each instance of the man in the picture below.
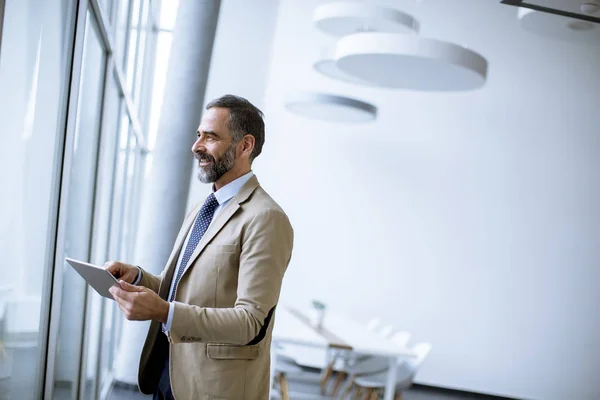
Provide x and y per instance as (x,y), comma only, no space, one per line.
(212,307)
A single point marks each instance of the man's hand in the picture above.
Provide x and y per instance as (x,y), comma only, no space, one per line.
(122,271)
(138,303)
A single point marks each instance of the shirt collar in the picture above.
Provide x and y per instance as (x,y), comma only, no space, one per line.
(227,192)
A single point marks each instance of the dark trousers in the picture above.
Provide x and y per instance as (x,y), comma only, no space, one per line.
(163,391)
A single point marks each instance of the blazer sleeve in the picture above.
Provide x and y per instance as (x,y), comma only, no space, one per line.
(151,281)
(266,252)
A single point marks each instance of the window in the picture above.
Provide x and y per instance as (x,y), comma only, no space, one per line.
(121,29)
(133,42)
(101,316)
(34,73)
(81,194)
(107,8)
(92,141)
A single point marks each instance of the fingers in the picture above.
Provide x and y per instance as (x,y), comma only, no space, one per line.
(114,268)
(121,301)
(125,302)
(125,291)
(126,308)
(129,287)
(139,304)
(121,270)
(116,292)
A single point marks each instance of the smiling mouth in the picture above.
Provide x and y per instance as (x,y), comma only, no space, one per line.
(204,161)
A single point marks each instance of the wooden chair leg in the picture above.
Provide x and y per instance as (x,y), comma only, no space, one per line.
(349,389)
(358,392)
(283,387)
(339,379)
(326,376)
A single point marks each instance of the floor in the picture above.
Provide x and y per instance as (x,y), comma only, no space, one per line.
(9,388)
(312,392)
(125,394)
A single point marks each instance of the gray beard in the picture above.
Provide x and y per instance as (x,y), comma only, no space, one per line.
(217,168)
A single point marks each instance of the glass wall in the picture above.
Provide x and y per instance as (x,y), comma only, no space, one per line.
(79,214)
(111,65)
(34,80)
(160,62)
(100,361)
(75,76)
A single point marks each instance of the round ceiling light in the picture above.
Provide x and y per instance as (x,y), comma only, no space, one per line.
(558,27)
(344,18)
(590,8)
(330,107)
(410,62)
(327,66)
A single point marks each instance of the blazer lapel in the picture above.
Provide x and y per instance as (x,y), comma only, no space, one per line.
(183,233)
(224,215)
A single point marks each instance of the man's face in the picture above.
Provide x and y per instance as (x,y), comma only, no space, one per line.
(213,149)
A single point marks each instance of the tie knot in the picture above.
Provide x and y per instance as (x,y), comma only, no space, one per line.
(211,202)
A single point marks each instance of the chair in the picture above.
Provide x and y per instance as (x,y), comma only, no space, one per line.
(373,365)
(341,357)
(386,331)
(401,338)
(283,368)
(309,357)
(407,369)
(373,324)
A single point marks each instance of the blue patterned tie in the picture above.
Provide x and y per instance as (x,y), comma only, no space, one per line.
(200,226)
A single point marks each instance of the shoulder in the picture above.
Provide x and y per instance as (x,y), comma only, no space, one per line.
(260,203)
(265,223)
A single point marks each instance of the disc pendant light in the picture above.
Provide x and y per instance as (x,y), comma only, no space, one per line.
(380,46)
(410,62)
(329,107)
(344,18)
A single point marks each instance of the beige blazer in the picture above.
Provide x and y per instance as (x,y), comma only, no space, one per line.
(220,335)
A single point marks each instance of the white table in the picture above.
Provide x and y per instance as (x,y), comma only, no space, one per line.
(292,327)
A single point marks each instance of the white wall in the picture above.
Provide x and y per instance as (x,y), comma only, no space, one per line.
(240,61)
(470,219)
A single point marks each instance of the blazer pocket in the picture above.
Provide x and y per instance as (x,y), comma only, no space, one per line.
(223,248)
(231,352)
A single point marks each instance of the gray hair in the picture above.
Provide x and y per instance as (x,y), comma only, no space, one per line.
(244,119)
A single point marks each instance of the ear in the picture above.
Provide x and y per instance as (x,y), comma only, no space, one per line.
(247,145)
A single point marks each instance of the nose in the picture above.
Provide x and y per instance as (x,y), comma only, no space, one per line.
(198,146)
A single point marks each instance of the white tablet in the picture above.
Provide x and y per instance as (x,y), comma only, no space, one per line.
(97,277)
